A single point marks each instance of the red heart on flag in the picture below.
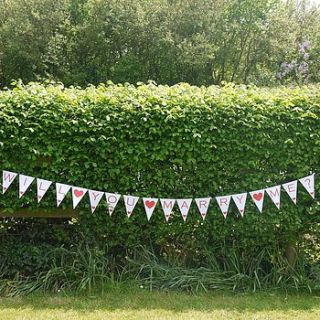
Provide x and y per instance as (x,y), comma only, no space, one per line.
(150,204)
(78,193)
(258,196)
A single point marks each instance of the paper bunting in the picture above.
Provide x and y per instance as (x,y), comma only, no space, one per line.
(167,207)
(77,195)
(7,179)
(42,188)
(240,201)
(112,201)
(184,206)
(149,206)
(274,194)
(224,203)
(291,189)
(308,183)
(94,197)
(24,184)
(203,206)
(130,202)
(258,197)
(167,204)
(61,190)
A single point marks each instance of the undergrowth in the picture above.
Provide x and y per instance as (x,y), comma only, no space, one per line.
(85,269)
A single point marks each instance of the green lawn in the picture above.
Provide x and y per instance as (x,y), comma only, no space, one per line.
(132,304)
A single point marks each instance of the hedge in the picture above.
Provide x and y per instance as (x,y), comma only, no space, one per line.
(161,141)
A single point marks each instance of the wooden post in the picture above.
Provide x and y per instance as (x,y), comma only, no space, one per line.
(40,213)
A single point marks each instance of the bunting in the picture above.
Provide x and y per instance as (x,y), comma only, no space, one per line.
(184,206)
(112,201)
(167,204)
(258,197)
(42,188)
(149,206)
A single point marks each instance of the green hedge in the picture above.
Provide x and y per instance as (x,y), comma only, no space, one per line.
(148,140)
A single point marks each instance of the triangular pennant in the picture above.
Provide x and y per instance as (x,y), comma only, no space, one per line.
(42,187)
(224,202)
(308,183)
(61,190)
(130,202)
(112,201)
(184,206)
(149,206)
(203,206)
(77,194)
(291,189)
(24,184)
(240,201)
(167,206)
(7,179)
(258,197)
(95,197)
(274,194)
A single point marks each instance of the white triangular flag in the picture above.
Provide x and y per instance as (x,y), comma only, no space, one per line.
(224,202)
(112,201)
(7,179)
(308,183)
(167,206)
(130,202)
(24,184)
(184,206)
(149,206)
(291,189)
(240,201)
(95,197)
(258,197)
(203,206)
(77,194)
(42,187)
(274,194)
(61,190)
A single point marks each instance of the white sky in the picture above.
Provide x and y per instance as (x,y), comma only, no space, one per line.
(315,2)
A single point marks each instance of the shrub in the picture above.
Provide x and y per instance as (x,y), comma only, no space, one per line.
(147,140)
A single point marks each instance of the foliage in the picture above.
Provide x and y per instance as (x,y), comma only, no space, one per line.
(201,42)
(260,271)
(84,269)
(179,141)
(77,269)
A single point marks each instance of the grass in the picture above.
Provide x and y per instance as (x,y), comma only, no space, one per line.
(124,303)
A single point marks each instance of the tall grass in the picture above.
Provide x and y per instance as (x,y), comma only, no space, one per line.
(264,270)
(79,269)
(86,269)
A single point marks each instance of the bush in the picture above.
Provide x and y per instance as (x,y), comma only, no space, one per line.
(160,141)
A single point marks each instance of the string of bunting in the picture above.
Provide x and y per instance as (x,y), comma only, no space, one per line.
(167,204)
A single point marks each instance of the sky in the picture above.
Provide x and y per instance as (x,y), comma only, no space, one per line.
(315,2)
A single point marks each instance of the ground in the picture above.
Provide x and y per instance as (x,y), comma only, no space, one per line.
(141,304)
